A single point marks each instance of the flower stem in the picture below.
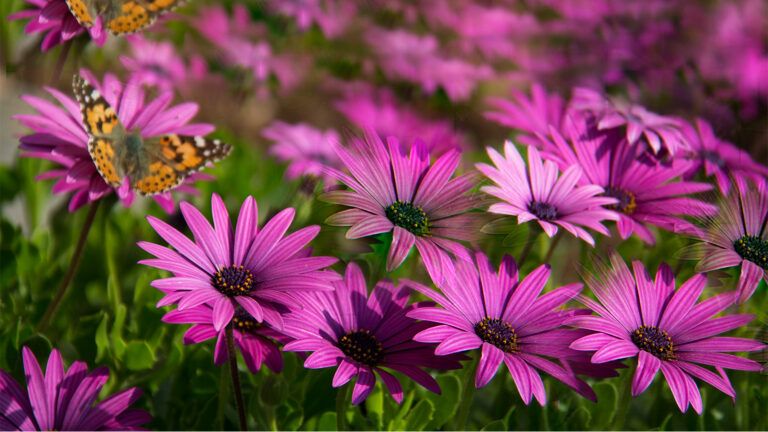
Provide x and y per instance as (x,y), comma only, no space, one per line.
(532,233)
(341,408)
(552,246)
(232,355)
(625,397)
(468,393)
(60,62)
(61,291)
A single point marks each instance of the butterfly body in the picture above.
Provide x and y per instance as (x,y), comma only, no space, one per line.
(153,165)
(120,16)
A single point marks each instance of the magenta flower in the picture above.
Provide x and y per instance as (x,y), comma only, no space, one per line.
(255,269)
(738,235)
(256,341)
(507,320)
(331,16)
(159,64)
(362,334)
(53,18)
(532,116)
(661,134)
(419,203)
(63,399)
(59,136)
(535,192)
(646,194)
(720,158)
(663,328)
(309,151)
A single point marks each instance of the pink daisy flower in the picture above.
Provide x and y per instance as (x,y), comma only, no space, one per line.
(159,64)
(738,235)
(331,16)
(60,136)
(406,195)
(256,341)
(255,269)
(664,328)
(530,115)
(63,399)
(53,18)
(537,192)
(507,320)
(308,151)
(361,334)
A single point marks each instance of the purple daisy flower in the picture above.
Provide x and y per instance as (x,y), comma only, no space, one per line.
(738,235)
(63,399)
(507,320)
(535,192)
(646,194)
(159,64)
(308,150)
(256,341)
(53,18)
(419,203)
(532,116)
(663,328)
(720,158)
(361,334)
(251,268)
(60,136)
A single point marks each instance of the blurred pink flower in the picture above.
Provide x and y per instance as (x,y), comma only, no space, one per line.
(307,149)
(529,115)
(332,16)
(53,18)
(156,63)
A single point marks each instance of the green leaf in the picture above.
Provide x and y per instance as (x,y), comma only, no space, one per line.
(446,403)
(420,415)
(496,425)
(102,339)
(607,403)
(139,356)
(327,421)
(375,406)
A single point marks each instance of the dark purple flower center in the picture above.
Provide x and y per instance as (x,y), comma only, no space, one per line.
(713,157)
(243,321)
(409,217)
(362,346)
(653,340)
(753,248)
(497,333)
(543,211)
(627,201)
(233,281)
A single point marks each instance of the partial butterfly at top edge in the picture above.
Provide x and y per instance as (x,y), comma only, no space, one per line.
(120,16)
(154,165)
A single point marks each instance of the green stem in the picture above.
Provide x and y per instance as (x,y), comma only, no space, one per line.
(271,417)
(232,354)
(552,246)
(625,398)
(74,263)
(341,408)
(468,393)
(532,233)
(60,62)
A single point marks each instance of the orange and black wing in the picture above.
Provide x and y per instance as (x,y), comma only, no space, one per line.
(135,15)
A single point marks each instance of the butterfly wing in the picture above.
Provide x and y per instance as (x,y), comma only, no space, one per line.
(81,11)
(171,158)
(103,127)
(134,15)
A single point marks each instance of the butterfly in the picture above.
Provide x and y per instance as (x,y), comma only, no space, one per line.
(120,16)
(154,165)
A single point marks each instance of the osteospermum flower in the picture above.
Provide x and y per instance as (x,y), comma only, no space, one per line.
(663,328)
(256,341)
(308,150)
(738,235)
(361,334)
(63,399)
(419,203)
(532,116)
(507,320)
(251,268)
(59,136)
(159,64)
(53,18)
(534,192)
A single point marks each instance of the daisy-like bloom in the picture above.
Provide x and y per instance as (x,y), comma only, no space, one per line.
(256,341)
(720,158)
(60,136)
(63,399)
(53,18)
(646,194)
(307,150)
(331,16)
(419,203)
(664,328)
(738,235)
(662,135)
(249,268)
(507,319)
(531,116)
(159,64)
(535,192)
(362,334)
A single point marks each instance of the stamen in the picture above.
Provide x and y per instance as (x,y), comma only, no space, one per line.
(409,217)
(497,333)
(753,248)
(627,201)
(363,347)
(653,340)
(543,211)
(233,281)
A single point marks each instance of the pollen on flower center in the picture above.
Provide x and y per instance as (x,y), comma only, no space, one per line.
(233,281)
(243,321)
(409,217)
(543,211)
(363,347)
(497,333)
(754,249)
(627,201)
(655,341)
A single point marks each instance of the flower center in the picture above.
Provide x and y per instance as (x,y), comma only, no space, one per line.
(655,341)
(407,216)
(754,249)
(243,321)
(497,333)
(543,211)
(233,281)
(627,202)
(363,347)
(713,157)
